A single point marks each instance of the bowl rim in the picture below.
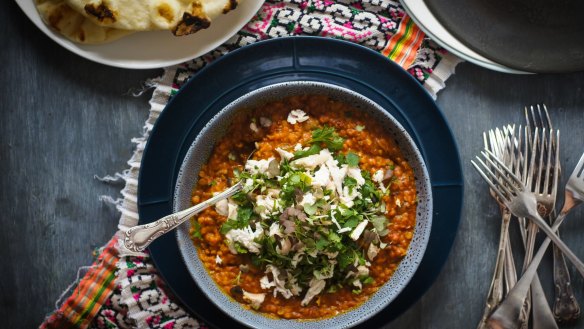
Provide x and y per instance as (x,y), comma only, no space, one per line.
(428,206)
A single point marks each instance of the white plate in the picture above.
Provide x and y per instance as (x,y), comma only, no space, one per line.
(424,18)
(146,50)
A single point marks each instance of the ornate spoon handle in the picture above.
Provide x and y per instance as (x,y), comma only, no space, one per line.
(139,237)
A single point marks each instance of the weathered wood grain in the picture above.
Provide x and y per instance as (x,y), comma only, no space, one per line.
(64,119)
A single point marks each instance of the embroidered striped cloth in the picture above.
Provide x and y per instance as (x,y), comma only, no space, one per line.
(125,291)
(93,292)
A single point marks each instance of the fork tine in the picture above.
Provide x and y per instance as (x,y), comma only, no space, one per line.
(547,116)
(528,117)
(501,175)
(579,170)
(548,167)
(519,155)
(511,187)
(493,141)
(524,174)
(546,121)
(502,141)
(488,180)
(541,122)
(556,166)
(531,169)
(534,120)
(498,143)
(536,116)
(507,146)
(540,150)
(508,172)
(510,145)
(530,126)
(494,145)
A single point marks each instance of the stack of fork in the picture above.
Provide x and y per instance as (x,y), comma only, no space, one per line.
(522,168)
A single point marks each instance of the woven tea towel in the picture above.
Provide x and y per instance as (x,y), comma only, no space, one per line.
(131,294)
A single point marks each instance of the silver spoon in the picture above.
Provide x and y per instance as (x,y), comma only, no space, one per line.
(137,238)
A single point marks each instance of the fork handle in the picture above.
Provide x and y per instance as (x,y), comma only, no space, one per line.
(506,315)
(542,314)
(536,218)
(543,317)
(510,270)
(495,294)
(566,307)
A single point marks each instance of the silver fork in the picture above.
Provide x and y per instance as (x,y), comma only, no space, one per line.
(495,143)
(504,142)
(507,312)
(517,161)
(538,182)
(513,158)
(566,307)
(519,200)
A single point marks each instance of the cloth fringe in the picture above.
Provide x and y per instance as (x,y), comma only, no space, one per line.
(81,272)
(129,205)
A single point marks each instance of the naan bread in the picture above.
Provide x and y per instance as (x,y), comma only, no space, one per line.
(182,17)
(73,25)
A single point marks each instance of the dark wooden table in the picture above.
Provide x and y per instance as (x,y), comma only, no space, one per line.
(64,119)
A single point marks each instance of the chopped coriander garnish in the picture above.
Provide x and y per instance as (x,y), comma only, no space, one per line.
(196,232)
(368,280)
(352,159)
(237,280)
(240,249)
(307,218)
(314,149)
(243,216)
(380,224)
(352,222)
(240,197)
(350,183)
(329,137)
(322,243)
(346,258)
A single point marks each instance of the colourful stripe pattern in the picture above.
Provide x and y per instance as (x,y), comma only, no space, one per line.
(404,44)
(92,292)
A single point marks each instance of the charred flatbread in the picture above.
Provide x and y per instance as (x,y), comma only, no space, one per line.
(181,17)
(73,25)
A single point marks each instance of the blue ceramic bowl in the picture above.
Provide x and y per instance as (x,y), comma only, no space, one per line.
(200,151)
